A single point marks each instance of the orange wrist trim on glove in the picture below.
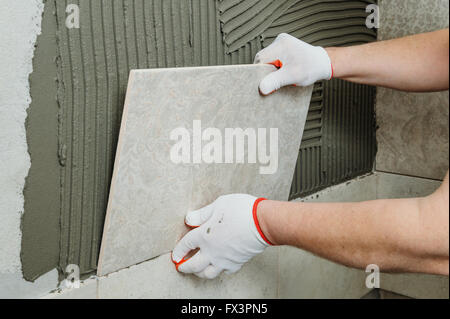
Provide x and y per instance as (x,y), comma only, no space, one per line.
(255,219)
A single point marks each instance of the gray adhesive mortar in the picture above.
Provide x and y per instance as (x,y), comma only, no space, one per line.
(40,223)
(72,138)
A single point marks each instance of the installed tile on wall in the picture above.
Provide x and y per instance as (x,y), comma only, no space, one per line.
(416,285)
(413,135)
(359,189)
(158,278)
(399,186)
(411,285)
(14,286)
(86,290)
(402,18)
(303,275)
(150,194)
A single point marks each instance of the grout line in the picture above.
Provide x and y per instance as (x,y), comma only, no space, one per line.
(407,175)
(97,288)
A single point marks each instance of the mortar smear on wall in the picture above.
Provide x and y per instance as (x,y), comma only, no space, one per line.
(40,223)
(117,36)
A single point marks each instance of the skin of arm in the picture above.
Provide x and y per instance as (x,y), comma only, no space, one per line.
(418,63)
(403,235)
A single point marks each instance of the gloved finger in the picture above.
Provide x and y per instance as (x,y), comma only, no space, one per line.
(197,218)
(189,242)
(210,272)
(233,270)
(272,53)
(273,82)
(195,264)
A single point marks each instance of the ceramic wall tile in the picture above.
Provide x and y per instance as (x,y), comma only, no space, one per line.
(305,276)
(416,286)
(150,193)
(412,285)
(86,290)
(399,186)
(413,135)
(158,278)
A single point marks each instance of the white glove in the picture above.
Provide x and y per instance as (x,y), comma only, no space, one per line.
(299,64)
(227,233)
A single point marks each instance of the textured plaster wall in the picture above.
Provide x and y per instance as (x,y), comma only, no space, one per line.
(413,134)
(19,24)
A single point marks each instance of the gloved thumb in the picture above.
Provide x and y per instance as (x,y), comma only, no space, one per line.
(273,82)
(189,242)
(197,218)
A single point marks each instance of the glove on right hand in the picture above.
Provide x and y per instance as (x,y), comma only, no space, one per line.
(299,64)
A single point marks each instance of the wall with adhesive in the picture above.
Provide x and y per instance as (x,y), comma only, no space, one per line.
(61,93)
(85,71)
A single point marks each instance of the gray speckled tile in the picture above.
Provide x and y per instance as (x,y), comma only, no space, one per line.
(413,136)
(150,194)
(158,278)
(402,18)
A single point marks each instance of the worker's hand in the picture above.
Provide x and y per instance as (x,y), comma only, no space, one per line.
(299,64)
(226,232)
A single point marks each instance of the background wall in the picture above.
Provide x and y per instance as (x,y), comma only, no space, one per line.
(413,133)
(74,121)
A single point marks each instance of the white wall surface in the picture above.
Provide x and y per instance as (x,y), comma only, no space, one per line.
(20,24)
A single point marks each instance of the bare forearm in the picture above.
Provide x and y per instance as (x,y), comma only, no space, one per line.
(387,233)
(417,63)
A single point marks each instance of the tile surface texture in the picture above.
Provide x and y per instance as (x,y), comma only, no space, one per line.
(13,286)
(158,279)
(359,189)
(399,186)
(416,286)
(150,194)
(413,134)
(305,276)
(87,290)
